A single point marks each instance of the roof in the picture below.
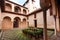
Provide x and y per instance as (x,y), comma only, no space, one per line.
(25,2)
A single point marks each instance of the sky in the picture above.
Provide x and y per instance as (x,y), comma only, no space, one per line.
(37,4)
(21,2)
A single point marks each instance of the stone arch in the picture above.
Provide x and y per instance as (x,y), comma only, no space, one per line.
(17,9)
(6,23)
(8,7)
(24,23)
(7,17)
(24,11)
(16,22)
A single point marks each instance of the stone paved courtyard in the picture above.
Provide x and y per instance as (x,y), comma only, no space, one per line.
(16,34)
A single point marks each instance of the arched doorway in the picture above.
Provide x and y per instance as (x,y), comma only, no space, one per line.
(16,22)
(24,24)
(6,23)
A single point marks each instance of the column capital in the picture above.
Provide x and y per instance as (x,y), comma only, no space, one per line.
(57,17)
(21,10)
(27,20)
(35,18)
(21,20)
(12,20)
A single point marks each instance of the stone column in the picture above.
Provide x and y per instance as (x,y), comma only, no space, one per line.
(21,24)
(1,24)
(13,8)
(45,25)
(57,24)
(22,10)
(12,21)
(27,22)
(57,20)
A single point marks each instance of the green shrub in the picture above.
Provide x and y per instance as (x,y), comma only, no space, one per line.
(21,36)
(33,31)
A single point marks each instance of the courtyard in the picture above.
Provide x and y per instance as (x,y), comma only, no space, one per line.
(34,20)
(17,34)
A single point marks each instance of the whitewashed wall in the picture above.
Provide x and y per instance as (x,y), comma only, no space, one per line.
(40,23)
(31,20)
(40,19)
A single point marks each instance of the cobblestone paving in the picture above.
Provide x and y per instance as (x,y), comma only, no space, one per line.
(55,37)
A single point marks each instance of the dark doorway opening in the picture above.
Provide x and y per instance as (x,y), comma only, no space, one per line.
(15,24)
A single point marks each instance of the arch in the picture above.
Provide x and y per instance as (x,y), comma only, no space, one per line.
(24,11)
(8,7)
(7,17)
(16,22)
(24,23)
(6,23)
(24,19)
(17,18)
(17,9)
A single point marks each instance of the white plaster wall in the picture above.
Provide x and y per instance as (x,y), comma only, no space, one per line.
(31,6)
(31,20)
(12,16)
(39,19)
(40,22)
(13,5)
(50,20)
